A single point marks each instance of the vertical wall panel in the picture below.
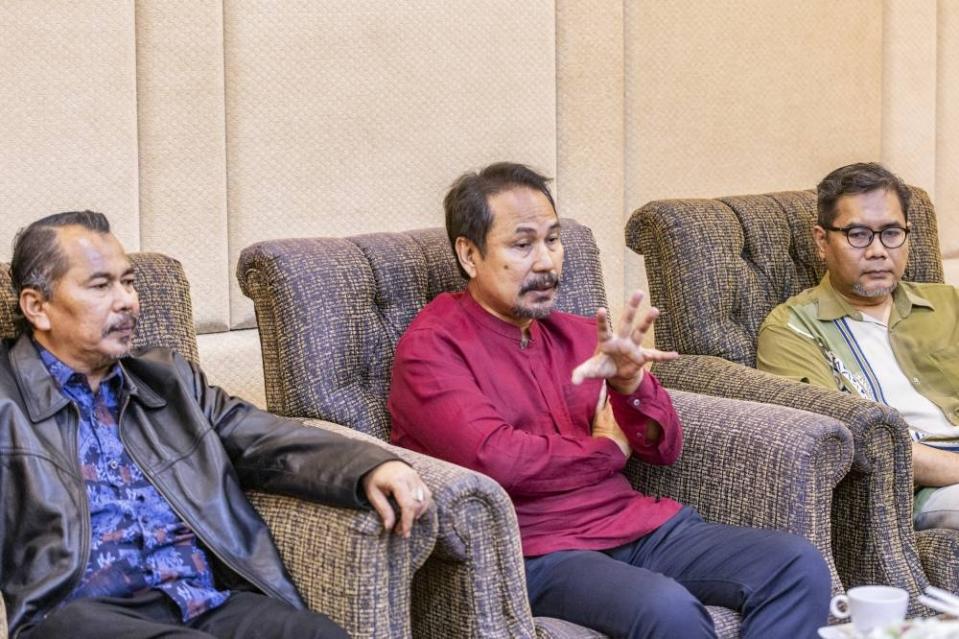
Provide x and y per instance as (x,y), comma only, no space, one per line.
(909,91)
(183,147)
(747,96)
(68,132)
(590,133)
(947,128)
(354,116)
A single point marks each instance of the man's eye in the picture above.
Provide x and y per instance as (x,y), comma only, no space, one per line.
(859,234)
(522,245)
(100,285)
(552,239)
(892,234)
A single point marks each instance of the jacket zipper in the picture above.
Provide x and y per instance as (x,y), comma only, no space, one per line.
(85,529)
(243,573)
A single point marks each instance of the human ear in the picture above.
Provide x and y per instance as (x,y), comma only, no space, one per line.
(466,253)
(819,236)
(33,305)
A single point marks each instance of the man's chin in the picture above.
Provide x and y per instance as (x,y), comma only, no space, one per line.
(534,311)
(874,290)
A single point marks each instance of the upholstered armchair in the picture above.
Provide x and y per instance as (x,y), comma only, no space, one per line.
(330,311)
(716,268)
(339,558)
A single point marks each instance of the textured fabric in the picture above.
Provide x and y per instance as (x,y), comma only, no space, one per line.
(340,561)
(363,291)
(137,540)
(716,269)
(465,390)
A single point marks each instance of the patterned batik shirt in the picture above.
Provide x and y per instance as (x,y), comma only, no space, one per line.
(137,540)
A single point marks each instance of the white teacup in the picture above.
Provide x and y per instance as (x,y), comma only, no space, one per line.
(871,606)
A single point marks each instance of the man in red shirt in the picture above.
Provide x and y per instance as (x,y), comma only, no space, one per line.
(551,405)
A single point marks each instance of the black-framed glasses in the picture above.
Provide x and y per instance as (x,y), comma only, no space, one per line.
(862,236)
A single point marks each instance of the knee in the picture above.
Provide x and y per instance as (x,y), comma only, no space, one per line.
(671,611)
(805,571)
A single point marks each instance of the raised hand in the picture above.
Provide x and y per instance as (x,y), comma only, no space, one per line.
(620,356)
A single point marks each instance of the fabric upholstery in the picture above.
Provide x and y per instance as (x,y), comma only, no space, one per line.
(340,561)
(330,311)
(716,268)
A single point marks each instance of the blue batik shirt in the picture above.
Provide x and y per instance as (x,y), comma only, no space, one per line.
(138,542)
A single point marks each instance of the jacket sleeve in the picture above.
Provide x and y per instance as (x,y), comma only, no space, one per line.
(649,401)
(279,455)
(438,407)
(782,351)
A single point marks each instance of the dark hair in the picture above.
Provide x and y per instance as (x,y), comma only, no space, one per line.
(38,262)
(467,203)
(863,177)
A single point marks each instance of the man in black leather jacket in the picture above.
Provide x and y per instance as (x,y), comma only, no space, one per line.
(122,510)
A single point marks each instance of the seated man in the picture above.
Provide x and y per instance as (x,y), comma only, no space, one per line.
(863,331)
(120,476)
(488,378)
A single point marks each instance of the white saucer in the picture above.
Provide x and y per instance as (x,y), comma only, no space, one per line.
(842,631)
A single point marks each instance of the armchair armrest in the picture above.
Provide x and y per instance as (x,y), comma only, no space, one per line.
(756,465)
(343,563)
(874,540)
(474,584)
(939,550)
(876,429)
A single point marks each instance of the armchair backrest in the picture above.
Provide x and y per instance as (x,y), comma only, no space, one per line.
(330,311)
(166,313)
(717,267)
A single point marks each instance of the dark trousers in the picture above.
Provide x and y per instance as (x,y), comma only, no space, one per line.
(659,585)
(153,615)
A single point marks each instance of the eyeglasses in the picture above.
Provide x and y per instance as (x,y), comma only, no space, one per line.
(862,236)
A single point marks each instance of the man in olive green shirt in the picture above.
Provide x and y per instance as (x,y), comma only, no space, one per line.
(864,331)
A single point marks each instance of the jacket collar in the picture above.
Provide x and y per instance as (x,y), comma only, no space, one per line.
(42,395)
(833,306)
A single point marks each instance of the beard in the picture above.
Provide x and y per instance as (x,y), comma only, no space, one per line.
(859,289)
(544,282)
(126,322)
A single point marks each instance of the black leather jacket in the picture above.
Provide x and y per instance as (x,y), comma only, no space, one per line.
(198,446)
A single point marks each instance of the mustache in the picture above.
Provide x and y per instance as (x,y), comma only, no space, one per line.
(127,321)
(542,282)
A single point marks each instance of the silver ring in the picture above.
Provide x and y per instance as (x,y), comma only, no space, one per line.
(418,495)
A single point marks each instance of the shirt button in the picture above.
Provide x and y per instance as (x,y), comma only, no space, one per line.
(114,465)
(636,403)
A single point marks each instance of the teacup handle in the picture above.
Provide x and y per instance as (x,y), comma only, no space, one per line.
(834,606)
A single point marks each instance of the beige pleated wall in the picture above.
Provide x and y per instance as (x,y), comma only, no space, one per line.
(201,126)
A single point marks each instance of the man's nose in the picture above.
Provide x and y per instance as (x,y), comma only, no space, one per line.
(876,248)
(125,297)
(545,259)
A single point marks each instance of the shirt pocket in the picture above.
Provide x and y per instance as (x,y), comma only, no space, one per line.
(946,365)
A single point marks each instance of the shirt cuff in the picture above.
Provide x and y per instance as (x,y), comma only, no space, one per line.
(632,406)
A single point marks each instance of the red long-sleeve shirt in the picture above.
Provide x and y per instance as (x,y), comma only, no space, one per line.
(465,390)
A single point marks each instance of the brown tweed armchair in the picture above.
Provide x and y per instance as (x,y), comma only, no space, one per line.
(339,559)
(330,311)
(716,268)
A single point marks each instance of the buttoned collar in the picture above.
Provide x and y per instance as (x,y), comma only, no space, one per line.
(833,306)
(41,391)
(497,325)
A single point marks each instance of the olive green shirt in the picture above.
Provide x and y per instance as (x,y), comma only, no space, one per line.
(805,339)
